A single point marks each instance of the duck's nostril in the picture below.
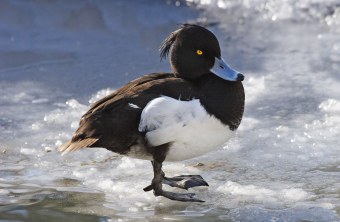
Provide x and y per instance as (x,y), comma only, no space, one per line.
(222,67)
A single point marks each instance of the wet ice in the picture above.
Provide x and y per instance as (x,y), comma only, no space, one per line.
(283,164)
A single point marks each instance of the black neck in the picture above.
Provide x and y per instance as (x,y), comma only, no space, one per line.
(225,99)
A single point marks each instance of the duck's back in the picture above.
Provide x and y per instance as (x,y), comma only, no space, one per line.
(112,122)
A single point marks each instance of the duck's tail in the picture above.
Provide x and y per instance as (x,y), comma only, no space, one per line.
(72,145)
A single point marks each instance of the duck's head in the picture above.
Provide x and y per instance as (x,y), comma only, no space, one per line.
(194,52)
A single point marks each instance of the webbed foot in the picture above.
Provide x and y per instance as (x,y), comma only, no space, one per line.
(185,181)
(185,197)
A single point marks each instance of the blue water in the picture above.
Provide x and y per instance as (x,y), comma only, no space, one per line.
(57,57)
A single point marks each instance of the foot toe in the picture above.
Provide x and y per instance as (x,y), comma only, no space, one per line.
(184,197)
(185,181)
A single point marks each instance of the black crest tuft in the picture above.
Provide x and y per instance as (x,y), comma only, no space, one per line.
(167,43)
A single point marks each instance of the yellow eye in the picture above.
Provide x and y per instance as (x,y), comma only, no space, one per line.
(199,52)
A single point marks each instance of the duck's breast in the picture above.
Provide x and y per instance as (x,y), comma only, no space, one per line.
(186,126)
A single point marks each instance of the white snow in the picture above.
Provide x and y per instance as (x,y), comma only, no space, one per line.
(282,165)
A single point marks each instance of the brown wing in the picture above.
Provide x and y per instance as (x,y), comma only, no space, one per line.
(126,90)
(112,122)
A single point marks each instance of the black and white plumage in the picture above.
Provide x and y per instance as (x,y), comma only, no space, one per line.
(170,116)
(186,125)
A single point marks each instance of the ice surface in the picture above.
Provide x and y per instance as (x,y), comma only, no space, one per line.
(57,58)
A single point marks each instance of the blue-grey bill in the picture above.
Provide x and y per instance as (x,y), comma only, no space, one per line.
(224,71)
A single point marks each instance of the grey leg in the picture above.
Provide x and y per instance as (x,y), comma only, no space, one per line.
(158,191)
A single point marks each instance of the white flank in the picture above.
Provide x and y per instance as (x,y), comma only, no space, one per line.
(185,124)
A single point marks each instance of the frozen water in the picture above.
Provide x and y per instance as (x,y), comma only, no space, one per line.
(56,58)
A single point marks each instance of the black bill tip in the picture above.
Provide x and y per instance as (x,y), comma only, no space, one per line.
(240,77)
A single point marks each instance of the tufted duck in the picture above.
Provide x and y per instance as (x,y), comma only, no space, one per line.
(170,116)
